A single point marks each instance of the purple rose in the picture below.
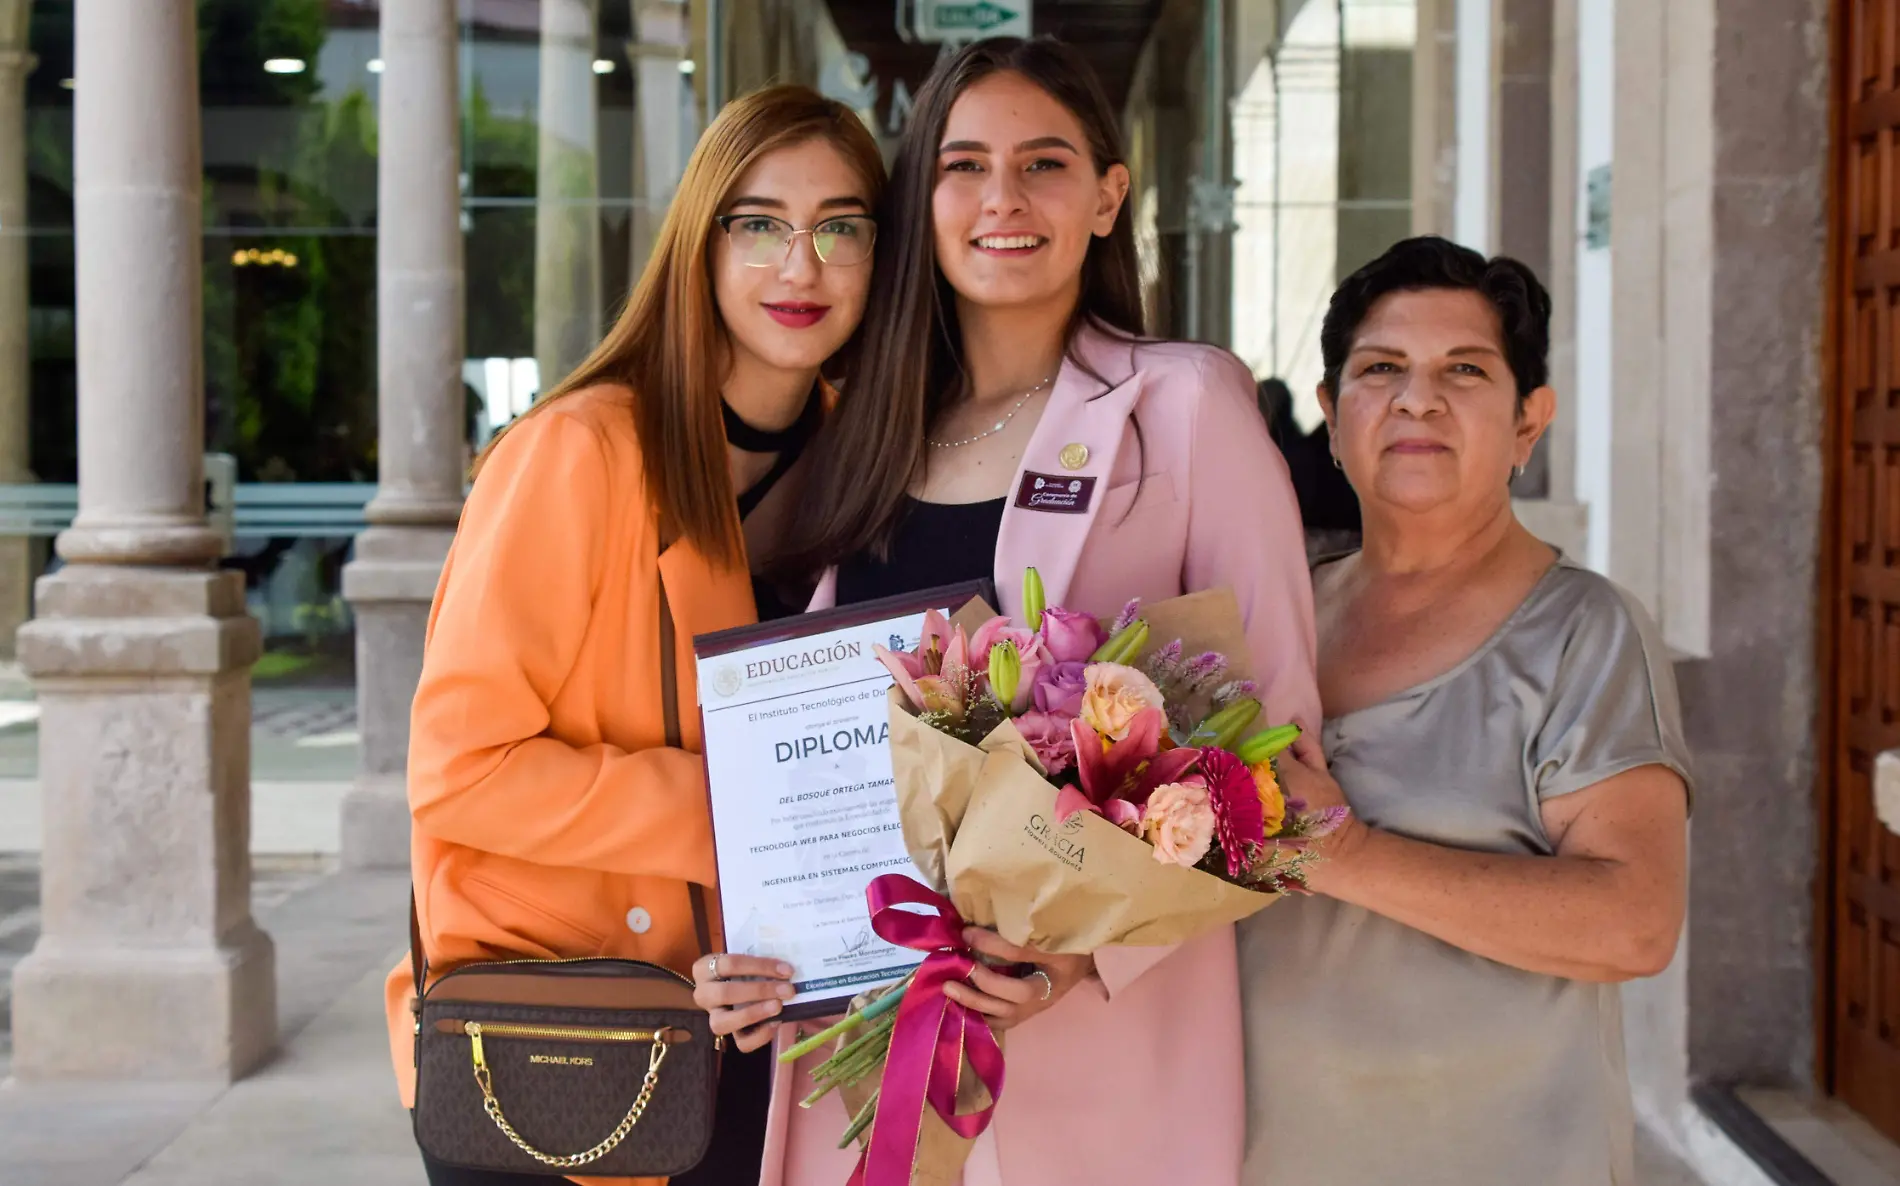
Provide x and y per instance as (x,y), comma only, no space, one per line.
(1049,735)
(1070,637)
(1059,688)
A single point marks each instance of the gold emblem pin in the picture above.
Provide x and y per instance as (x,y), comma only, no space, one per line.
(1074,456)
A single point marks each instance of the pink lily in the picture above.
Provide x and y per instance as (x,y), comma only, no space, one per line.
(938,693)
(1122,772)
(956,657)
(907,668)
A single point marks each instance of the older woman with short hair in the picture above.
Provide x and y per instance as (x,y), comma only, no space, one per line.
(1444,1008)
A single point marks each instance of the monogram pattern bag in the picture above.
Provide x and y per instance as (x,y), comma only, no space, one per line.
(602,1066)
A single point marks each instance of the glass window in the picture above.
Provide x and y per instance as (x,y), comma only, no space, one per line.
(1323,159)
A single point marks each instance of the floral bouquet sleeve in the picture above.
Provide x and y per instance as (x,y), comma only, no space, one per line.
(1072,784)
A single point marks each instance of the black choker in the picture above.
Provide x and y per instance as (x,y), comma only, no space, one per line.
(747,439)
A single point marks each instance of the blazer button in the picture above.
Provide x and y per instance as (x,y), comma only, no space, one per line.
(639,921)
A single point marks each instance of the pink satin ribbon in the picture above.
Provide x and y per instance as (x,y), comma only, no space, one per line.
(931,1038)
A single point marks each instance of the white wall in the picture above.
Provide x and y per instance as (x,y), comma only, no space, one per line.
(1596,93)
(1476,85)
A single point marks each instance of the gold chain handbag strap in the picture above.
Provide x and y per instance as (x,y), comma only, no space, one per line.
(492,1106)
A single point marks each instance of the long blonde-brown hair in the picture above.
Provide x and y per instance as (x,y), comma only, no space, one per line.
(667,344)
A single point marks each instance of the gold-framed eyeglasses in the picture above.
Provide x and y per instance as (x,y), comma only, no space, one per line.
(763,241)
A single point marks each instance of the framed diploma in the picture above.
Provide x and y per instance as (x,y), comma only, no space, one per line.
(796,724)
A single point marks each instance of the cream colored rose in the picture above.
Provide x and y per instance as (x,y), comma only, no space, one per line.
(1113,695)
(1179,822)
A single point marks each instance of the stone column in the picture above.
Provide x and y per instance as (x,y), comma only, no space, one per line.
(567,295)
(663,38)
(148,962)
(421,447)
(1524,145)
(16,552)
(1434,118)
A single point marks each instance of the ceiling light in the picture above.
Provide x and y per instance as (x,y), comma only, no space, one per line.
(283,66)
(686,66)
(603,66)
(375,65)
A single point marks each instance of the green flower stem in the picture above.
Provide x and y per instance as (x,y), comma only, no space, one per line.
(870,1047)
(860,1122)
(870,1012)
(821,1093)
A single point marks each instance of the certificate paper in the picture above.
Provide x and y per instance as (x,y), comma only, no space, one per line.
(796,719)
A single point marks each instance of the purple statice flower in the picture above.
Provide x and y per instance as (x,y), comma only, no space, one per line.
(1204,670)
(1126,618)
(1164,668)
(1233,691)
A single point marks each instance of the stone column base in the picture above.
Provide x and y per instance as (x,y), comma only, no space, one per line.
(16,588)
(389,585)
(376,823)
(125,1012)
(148,962)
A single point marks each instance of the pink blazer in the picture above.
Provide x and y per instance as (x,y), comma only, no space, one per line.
(1135,1078)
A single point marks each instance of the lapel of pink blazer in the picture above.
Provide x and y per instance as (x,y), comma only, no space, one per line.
(1082,410)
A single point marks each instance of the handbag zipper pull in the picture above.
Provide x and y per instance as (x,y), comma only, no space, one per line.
(474,1031)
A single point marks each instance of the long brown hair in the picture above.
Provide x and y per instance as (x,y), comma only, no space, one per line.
(910,367)
(667,344)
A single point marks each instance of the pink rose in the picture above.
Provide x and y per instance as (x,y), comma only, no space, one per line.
(1113,695)
(1071,637)
(1179,822)
(1048,734)
(997,630)
(1059,688)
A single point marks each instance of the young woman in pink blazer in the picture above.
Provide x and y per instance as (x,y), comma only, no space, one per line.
(1007,412)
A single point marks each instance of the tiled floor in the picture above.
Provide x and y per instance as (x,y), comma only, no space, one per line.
(1829,1134)
(274,881)
(322,1112)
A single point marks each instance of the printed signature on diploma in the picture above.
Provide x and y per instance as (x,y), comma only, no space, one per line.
(858,942)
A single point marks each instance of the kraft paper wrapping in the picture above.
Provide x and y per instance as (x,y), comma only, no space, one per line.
(979,823)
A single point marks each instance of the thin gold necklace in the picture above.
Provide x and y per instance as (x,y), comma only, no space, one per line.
(1000,425)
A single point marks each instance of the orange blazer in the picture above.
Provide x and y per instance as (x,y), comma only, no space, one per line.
(550,817)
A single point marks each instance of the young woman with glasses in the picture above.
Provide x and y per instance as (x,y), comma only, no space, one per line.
(551,818)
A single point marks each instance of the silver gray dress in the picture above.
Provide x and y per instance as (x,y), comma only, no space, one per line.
(1379,1055)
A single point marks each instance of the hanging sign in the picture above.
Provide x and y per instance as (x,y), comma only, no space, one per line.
(960,20)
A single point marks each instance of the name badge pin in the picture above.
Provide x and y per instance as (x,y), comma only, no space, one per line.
(1055,493)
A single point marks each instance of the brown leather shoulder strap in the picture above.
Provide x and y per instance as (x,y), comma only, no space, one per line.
(670,718)
(418,957)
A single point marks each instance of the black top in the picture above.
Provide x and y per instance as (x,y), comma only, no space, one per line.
(937,543)
(789,444)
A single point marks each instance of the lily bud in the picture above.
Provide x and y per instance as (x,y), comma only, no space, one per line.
(1266,743)
(1223,728)
(1124,646)
(1033,599)
(1006,672)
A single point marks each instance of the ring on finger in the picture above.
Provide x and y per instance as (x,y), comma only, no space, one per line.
(712,967)
(1048,985)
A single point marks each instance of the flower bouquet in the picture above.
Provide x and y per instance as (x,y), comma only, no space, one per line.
(1073,785)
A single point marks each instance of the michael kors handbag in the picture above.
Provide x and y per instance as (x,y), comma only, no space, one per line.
(601,1066)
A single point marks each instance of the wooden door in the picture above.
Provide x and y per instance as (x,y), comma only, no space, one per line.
(1862,999)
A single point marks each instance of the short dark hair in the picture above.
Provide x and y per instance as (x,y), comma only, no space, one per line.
(1428,262)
